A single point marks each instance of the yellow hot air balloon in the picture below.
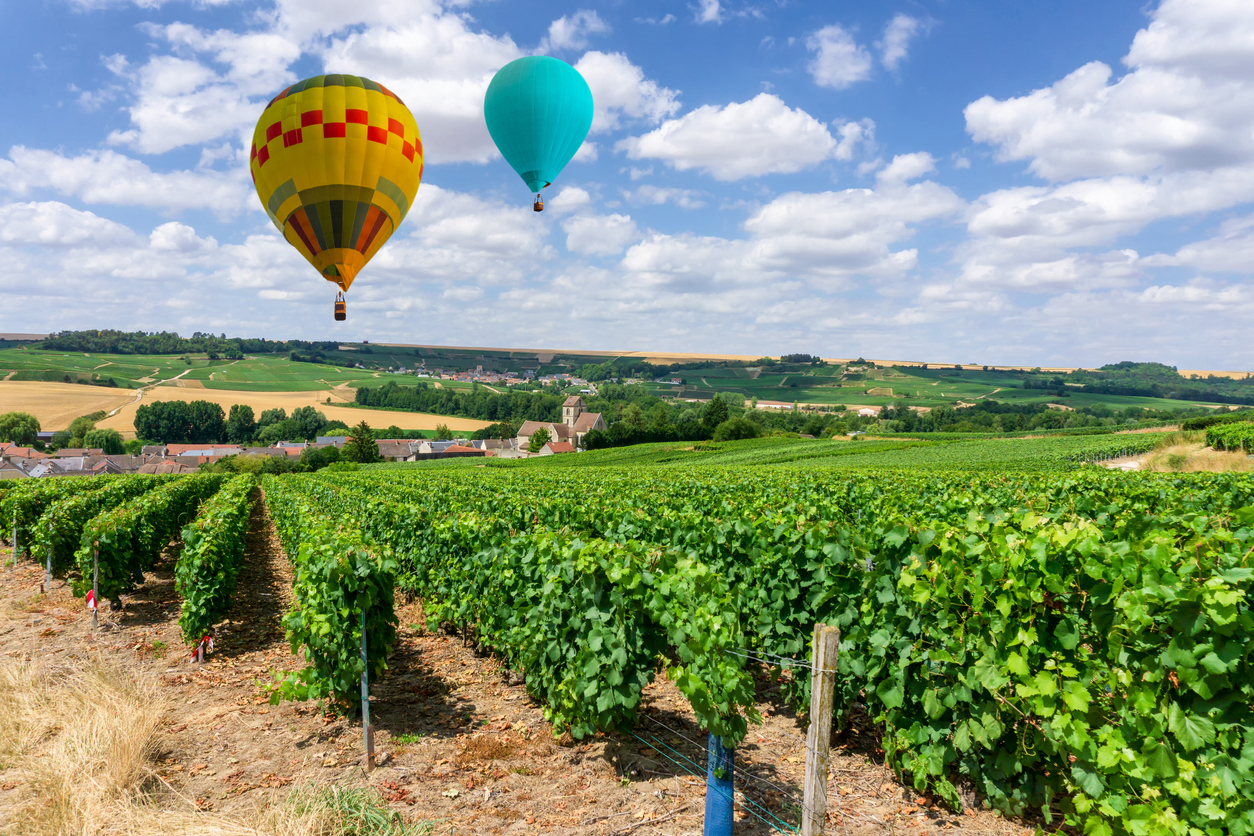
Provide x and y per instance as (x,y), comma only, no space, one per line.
(336,160)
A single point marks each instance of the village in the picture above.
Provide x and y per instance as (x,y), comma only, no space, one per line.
(557,437)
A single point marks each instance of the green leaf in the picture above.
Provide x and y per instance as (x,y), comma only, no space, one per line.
(1193,731)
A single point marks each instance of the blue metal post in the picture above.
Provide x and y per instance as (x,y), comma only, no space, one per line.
(719,790)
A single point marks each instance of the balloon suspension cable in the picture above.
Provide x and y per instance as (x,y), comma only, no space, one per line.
(539,204)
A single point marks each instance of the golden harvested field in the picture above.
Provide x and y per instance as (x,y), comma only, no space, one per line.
(56,404)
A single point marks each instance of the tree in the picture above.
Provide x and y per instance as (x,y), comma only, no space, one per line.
(240,425)
(271,416)
(208,422)
(316,458)
(735,429)
(442,432)
(538,439)
(110,441)
(19,427)
(633,417)
(393,432)
(715,413)
(361,447)
(82,425)
(309,421)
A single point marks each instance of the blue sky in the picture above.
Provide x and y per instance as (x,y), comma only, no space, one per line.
(1063,183)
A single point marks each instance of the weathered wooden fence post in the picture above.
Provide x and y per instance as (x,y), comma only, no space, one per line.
(367,730)
(95,584)
(818,741)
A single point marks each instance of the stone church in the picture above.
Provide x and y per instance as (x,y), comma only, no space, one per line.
(576,423)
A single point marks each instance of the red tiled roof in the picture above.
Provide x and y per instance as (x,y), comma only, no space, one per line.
(560,447)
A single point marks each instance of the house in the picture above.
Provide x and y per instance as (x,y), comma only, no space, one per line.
(77,452)
(337,440)
(166,466)
(868,412)
(555,447)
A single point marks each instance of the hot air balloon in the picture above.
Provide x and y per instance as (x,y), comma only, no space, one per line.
(336,160)
(538,111)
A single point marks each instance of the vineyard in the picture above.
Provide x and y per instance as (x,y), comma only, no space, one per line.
(1062,639)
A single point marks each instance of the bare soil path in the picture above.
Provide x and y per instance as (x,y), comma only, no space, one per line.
(464,748)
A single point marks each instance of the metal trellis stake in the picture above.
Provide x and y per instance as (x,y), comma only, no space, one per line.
(367,730)
(720,791)
(819,739)
(15,539)
(48,572)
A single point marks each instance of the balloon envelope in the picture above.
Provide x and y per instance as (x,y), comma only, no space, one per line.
(336,160)
(538,111)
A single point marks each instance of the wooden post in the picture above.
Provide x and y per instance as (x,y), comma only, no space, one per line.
(367,730)
(818,741)
(95,583)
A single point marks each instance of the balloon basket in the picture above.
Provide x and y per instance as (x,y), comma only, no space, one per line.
(538,206)
(341,313)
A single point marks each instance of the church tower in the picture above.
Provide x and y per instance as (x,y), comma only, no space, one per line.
(572,409)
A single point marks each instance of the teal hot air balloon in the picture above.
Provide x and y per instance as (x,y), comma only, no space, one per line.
(538,111)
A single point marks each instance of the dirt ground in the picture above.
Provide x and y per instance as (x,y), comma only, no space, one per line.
(463,747)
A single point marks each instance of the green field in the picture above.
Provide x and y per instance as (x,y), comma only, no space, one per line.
(925,388)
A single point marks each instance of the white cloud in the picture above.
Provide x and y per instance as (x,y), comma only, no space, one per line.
(896,42)
(650,195)
(569,199)
(49,223)
(440,69)
(572,31)
(111,178)
(619,89)
(853,135)
(179,238)
(1230,251)
(1185,105)
(599,234)
(180,101)
(906,167)
(747,139)
(839,61)
(709,11)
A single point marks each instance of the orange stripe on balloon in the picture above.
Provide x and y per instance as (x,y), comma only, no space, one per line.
(300,223)
(373,230)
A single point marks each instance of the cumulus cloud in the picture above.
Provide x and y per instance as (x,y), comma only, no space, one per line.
(1230,251)
(572,31)
(599,234)
(107,177)
(839,61)
(1185,104)
(620,89)
(745,139)
(898,34)
(827,239)
(650,195)
(49,223)
(709,11)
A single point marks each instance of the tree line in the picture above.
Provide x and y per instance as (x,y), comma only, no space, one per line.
(509,407)
(108,341)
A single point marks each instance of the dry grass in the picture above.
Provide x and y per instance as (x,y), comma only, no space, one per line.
(77,747)
(1186,452)
(78,741)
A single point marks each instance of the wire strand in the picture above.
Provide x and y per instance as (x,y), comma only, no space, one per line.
(777,824)
(742,771)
